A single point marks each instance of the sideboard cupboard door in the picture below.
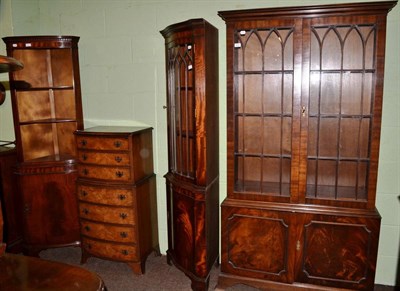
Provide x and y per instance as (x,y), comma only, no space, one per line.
(304,105)
(191,56)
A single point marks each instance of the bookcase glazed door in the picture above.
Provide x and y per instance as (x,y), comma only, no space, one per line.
(263,110)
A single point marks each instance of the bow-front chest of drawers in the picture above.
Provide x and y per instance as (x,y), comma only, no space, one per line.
(116,189)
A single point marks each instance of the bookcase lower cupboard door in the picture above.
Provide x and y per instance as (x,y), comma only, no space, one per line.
(304,96)
(191,50)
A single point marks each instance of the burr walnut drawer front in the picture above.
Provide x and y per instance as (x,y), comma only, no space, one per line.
(118,215)
(102,143)
(115,251)
(122,174)
(104,158)
(102,231)
(107,196)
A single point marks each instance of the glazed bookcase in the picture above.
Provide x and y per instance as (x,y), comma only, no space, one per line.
(304,95)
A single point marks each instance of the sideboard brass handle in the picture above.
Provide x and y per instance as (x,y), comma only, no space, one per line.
(118,159)
(119,174)
(83,142)
(87,228)
(84,193)
(85,211)
(117,144)
(123,234)
(123,215)
(121,197)
(84,157)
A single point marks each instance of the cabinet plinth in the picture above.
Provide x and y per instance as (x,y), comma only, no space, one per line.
(304,102)
(117,194)
(193,176)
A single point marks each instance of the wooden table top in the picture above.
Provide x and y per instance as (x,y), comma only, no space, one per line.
(18,272)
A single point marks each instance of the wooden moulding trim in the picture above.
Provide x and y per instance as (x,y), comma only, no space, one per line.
(300,208)
(190,24)
(309,11)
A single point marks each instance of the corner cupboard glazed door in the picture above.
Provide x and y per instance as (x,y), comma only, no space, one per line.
(181,115)
(266,65)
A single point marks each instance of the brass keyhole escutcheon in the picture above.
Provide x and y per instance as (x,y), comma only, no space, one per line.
(303,111)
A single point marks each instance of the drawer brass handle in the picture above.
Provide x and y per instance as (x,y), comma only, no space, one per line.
(87,228)
(124,234)
(85,211)
(83,142)
(125,252)
(119,174)
(85,171)
(83,193)
(123,215)
(84,157)
(89,246)
(117,144)
(118,159)
(121,197)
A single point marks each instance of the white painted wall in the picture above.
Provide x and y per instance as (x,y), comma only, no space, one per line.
(123,81)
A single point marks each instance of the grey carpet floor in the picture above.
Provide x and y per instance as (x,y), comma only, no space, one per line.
(159,276)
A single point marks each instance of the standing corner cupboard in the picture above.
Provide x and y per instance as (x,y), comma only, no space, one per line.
(304,97)
(46,102)
(192,180)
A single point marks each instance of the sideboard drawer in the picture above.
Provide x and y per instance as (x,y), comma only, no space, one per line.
(102,143)
(104,158)
(124,234)
(119,215)
(104,173)
(106,196)
(115,251)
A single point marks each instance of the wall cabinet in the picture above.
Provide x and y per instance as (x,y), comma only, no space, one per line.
(191,49)
(46,103)
(305,88)
(117,194)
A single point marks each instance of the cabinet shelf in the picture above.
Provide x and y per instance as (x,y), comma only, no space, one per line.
(266,188)
(264,72)
(248,155)
(343,71)
(242,114)
(48,121)
(26,87)
(8,64)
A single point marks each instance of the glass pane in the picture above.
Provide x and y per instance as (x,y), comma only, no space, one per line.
(181,110)
(340,111)
(263,110)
